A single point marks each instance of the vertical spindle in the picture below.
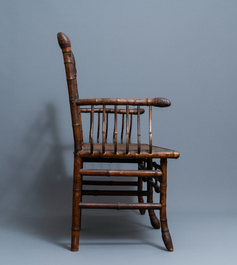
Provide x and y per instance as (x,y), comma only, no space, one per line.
(107,125)
(80,122)
(122,129)
(150,129)
(92,127)
(103,131)
(127,129)
(115,129)
(138,131)
(130,129)
(98,131)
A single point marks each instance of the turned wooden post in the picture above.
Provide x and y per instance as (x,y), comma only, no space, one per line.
(98,130)
(115,129)
(127,129)
(103,130)
(77,196)
(150,129)
(139,188)
(70,69)
(154,220)
(122,129)
(163,218)
(138,131)
(92,128)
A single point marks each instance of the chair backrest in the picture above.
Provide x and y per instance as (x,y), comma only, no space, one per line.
(71,75)
(76,106)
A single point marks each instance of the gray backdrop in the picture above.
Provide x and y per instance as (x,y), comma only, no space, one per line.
(182,50)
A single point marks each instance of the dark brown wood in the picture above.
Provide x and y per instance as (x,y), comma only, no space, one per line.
(70,69)
(140,198)
(142,167)
(118,206)
(103,131)
(114,193)
(110,160)
(98,130)
(103,152)
(130,128)
(76,211)
(80,122)
(138,131)
(154,185)
(163,218)
(124,173)
(110,183)
(127,129)
(107,126)
(122,129)
(156,166)
(153,218)
(63,41)
(110,110)
(115,138)
(157,152)
(156,102)
(92,128)
(150,129)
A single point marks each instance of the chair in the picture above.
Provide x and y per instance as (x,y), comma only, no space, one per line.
(154,174)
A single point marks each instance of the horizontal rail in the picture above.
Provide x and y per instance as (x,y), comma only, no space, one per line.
(110,183)
(109,160)
(110,110)
(115,193)
(157,102)
(118,206)
(124,173)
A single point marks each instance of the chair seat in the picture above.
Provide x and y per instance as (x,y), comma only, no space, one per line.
(157,152)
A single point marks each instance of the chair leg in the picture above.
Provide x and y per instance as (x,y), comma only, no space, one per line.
(76,211)
(140,198)
(163,218)
(153,218)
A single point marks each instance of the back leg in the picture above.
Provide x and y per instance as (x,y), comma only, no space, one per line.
(153,218)
(140,198)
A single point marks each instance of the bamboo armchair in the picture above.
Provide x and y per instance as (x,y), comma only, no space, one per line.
(154,174)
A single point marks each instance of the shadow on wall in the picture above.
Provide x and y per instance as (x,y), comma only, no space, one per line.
(39,184)
(38,202)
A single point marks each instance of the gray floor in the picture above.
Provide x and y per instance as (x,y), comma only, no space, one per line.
(119,237)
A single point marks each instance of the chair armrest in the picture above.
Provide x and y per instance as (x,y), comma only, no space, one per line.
(156,102)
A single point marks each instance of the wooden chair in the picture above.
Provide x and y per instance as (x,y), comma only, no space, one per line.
(155,175)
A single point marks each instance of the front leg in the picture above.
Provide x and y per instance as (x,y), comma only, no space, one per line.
(76,211)
(163,218)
